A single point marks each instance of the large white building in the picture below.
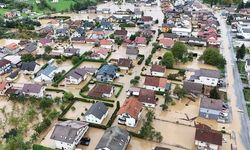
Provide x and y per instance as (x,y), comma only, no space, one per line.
(206,77)
(96,113)
(130,112)
(68,134)
(243,29)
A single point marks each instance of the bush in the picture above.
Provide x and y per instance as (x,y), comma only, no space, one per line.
(137,77)
(142,57)
(43,125)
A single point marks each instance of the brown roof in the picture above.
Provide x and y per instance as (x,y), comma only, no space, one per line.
(158,68)
(147,18)
(208,136)
(147,96)
(132,107)
(120,32)
(2,85)
(152,81)
(124,62)
(99,89)
(4,62)
(209,103)
(105,42)
(192,87)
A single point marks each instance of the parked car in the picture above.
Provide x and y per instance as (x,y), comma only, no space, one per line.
(85,141)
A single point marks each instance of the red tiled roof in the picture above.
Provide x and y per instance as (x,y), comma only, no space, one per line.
(158,68)
(140,40)
(4,62)
(105,42)
(124,62)
(167,42)
(99,89)
(2,85)
(132,107)
(152,81)
(163,82)
(147,96)
(102,51)
(208,136)
(12,46)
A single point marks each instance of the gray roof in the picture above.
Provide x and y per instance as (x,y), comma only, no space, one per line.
(114,138)
(14,74)
(71,50)
(207,73)
(29,66)
(192,87)
(98,110)
(107,70)
(209,103)
(32,88)
(47,71)
(132,50)
(77,73)
(67,131)
(30,47)
(248,62)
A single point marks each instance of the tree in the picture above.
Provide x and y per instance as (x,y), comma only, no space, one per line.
(168,60)
(45,103)
(27,58)
(179,51)
(241,52)
(118,41)
(16,143)
(75,60)
(132,37)
(68,96)
(212,56)
(134,82)
(214,93)
(180,92)
(48,49)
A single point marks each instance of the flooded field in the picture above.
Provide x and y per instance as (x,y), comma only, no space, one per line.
(65,65)
(90,64)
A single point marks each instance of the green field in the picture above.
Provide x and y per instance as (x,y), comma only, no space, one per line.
(3,11)
(246,92)
(61,5)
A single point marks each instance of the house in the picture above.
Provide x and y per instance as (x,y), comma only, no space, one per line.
(76,76)
(197,41)
(96,113)
(147,97)
(29,67)
(67,134)
(101,53)
(192,87)
(130,112)
(166,43)
(124,63)
(13,76)
(4,86)
(182,31)
(45,41)
(36,90)
(247,65)
(133,91)
(98,34)
(92,9)
(79,32)
(122,34)
(166,27)
(12,48)
(141,41)
(5,66)
(206,138)
(114,138)
(172,36)
(157,70)
(107,73)
(213,109)
(137,13)
(68,52)
(206,77)
(47,74)
(101,90)
(148,20)
(105,43)
(14,59)
(30,48)
(62,32)
(106,25)
(132,51)
(156,83)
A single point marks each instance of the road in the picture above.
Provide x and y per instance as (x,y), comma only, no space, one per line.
(240,123)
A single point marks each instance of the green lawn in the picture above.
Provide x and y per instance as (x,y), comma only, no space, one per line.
(241,67)
(3,11)
(246,92)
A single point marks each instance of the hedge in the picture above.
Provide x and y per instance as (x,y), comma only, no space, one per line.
(109,54)
(40,147)
(135,134)
(91,101)
(159,93)
(112,118)
(54,90)
(119,92)
(95,98)
(66,109)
